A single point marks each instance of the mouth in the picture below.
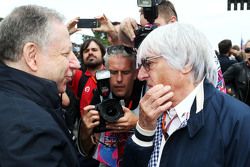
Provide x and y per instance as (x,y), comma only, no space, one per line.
(68,78)
(91,58)
(119,88)
(149,86)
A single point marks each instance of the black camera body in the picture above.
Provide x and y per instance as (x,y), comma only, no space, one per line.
(141,33)
(110,109)
(150,12)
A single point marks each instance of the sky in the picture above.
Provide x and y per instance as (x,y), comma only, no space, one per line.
(209,16)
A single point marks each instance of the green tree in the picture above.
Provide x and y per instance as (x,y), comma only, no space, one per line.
(86,37)
(101,36)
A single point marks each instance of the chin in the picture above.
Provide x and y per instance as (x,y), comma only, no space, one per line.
(62,88)
(120,95)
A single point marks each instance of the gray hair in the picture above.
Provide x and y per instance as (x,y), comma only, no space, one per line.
(24,24)
(119,50)
(181,45)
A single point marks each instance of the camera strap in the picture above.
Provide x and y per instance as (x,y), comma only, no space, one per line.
(81,84)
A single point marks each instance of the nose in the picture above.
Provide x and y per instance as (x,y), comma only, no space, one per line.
(142,74)
(73,61)
(119,77)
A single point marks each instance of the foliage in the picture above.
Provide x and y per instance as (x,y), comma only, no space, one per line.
(101,36)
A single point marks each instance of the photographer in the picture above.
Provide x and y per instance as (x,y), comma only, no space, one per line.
(121,63)
(166,14)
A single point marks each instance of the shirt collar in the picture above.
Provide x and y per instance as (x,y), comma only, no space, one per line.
(184,107)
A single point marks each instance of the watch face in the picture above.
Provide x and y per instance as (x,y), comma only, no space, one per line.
(144,3)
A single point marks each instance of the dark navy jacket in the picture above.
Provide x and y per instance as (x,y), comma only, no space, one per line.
(225,62)
(217,136)
(32,130)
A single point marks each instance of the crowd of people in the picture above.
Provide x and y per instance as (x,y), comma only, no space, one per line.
(170,101)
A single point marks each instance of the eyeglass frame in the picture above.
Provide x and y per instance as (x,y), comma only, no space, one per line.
(145,62)
(247,50)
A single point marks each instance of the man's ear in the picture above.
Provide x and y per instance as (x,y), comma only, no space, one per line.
(172,19)
(30,53)
(187,69)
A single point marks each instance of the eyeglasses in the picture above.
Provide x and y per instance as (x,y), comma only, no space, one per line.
(145,62)
(113,49)
(247,50)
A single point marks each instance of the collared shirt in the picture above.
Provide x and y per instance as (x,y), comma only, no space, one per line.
(183,112)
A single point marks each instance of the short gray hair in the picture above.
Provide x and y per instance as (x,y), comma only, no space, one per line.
(181,45)
(116,50)
(24,24)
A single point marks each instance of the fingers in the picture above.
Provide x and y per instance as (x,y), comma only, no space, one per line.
(119,129)
(90,117)
(89,107)
(71,25)
(98,29)
(158,97)
(125,123)
(155,95)
(104,16)
(153,104)
(128,26)
(73,21)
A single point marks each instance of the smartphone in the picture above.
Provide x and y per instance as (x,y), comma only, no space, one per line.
(88,23)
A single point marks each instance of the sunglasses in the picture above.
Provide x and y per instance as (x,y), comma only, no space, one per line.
(247,50)
(145,62)
(113,49)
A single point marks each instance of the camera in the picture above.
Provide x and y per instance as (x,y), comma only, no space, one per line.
(88,23)
(110,109)
(150,12)
(141,33)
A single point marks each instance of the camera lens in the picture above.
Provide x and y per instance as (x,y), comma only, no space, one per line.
(111,111)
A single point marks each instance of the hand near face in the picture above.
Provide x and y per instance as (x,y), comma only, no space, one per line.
(125,123)
(153,104)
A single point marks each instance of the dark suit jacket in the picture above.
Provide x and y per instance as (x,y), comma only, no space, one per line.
(32,129)
(217,136)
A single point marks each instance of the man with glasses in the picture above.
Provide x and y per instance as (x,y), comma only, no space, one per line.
(184,120)
(166,14)
(237,77)
(121,62)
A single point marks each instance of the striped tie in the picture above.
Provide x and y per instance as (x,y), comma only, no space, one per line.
(165,127)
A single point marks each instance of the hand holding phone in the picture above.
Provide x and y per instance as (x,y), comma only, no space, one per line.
(88,23)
